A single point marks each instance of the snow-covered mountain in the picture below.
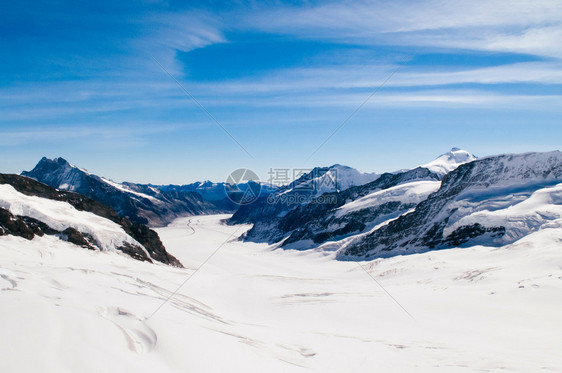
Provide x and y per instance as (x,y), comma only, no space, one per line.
(493,201)
(322,180)
(449,161)
(147,204)
(454,200)
(276,203)
(333,215)
(29,208)
(348,203)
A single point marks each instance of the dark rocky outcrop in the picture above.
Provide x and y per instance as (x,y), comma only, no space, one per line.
(80,239)
(13,225)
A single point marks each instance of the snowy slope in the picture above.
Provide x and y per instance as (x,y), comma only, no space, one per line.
(542,209)
(254,309)
(409,193)
(59,215)
(125,188)
(357,210)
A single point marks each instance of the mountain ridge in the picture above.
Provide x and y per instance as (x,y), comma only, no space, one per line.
(448,202)
(460,211)
(142,203)
(294,214)
(494,200)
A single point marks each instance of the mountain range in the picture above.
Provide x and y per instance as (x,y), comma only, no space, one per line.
(142,203)
(298,217)
(493,201)
(455,200)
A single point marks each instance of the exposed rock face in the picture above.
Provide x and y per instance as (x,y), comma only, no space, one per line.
(28,227)
(145,204)
(317,219)
(80,239)
(449,217)
(16,226)
(416,210)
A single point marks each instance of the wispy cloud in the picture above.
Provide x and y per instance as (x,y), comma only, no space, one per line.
(329,86)
(368,76)
(166,33)
(441,98)
(495,25)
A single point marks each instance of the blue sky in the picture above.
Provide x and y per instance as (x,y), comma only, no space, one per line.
(79,80)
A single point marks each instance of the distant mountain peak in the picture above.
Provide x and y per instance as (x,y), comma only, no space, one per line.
(449,161)
(340,166)
(329,179)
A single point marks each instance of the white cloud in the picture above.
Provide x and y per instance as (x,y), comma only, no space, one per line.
(125,133)
(500,25)
(445,98)
(167,33)
(368,77)
(544,41)
(185,31)
(530,72)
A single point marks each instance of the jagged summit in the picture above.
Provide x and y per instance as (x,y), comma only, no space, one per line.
(59,160)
